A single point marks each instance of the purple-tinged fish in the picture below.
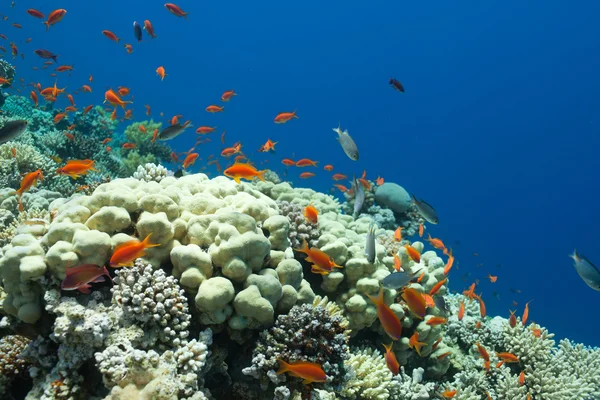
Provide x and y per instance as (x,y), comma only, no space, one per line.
(46,54)
(80,277)
(396,85)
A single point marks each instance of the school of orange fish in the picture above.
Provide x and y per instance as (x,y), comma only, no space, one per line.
(79,278)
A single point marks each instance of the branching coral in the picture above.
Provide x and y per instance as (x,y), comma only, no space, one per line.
(300,228)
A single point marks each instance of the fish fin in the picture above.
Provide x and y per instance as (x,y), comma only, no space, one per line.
(85,288)
(237,179)
(294,114)
(414,198)
(307,381)
(146,242)
(261,175)
(99,279)
(283,367)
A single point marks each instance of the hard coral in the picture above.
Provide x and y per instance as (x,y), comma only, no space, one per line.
(300,228)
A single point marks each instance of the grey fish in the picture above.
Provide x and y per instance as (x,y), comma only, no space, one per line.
(426,211)
(12,129)
(440,303)
(347,143)
(137,31)
(397,280)
(172,131)
(587,271)
(359,198)
(45,54)
(370,244)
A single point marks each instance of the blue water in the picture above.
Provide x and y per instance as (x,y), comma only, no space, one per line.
(498,128)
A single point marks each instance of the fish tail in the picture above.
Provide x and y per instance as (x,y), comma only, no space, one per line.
(294,114)
(283,367)
(21,208)
(105,271)
(47,24)
(147,244)
(261,175)
(414,198)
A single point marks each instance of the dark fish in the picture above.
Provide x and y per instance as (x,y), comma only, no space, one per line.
(80,277)
(45,54)
(178,173)
(426,211)
(172,131)
(586,270)
(137,31)
(396,85)
(397,280)
(12,129)
(440,303)
(359,198)
(370,244)
(347,143)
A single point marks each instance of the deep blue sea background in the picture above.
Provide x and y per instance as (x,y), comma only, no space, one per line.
(498,128)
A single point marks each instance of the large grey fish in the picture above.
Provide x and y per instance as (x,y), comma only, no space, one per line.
(370,251)
(359,198)
(347,143)
(12,129)
(587,271)
(397,280)
(172,131)
(426,211)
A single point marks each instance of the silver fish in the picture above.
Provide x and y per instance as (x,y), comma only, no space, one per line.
(426,211)
(440,303)
(587,271)
(359,198)
(347,143)
(397,280)
(370,251)
(12,129)
(172,131)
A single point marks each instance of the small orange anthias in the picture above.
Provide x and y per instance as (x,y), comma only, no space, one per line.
(389,320)
(126,253)
(244,171)
(311,214)
(391,360)
(322,262)
(29,180)
(307,371)
(76,168)
(415,302)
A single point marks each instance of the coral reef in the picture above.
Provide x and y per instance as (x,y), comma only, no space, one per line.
(300,229)
(151,172)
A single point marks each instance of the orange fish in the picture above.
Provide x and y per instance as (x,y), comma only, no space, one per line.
(420,278)
(433,321)
(508,357)
(244,171)
(288,162)
(71,100)
(322,263)
(379,181)
(268,146)
(391,360)
(306,162)
(398,234)
(190,159)
(537,332)
(448,394)
(228,95)
(129,146)
(492,278)
(339,177)
(415,302)
(437,287)
(13,151)
(35,13)
(70,136)
(114,99)
(389,320)
(126,253)
(70,109)
(29,180)
(214,109)
(522,378)
(203,130)
(461,310)
(449,263)
(123,91)
(87,109)
(154,135)
(55,17)
(91,79)
(414,343)
(437,243)
(309,372)
(111,36)
(106,140)
(328,167)
(311,214)
(63,68)
(128,48)
(149,29)
(483,352)
(413,253)
(525,314)
(76,168)
(443,355)
(175,10)
(86,88)
(436,344)
(470,293)
(59,117)
(421,230)
(341,188)
(428,300)
(284,117)
(397,263)
(142,129)
(108,149)
(147,109)
(306,175)
(512,320)
(482,309)
(160,71)
(34,98)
